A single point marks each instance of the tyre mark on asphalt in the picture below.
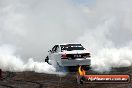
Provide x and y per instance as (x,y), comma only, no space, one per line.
(6,85)
(8,75)
(40,85)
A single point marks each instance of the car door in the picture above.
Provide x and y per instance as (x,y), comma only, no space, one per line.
(54,55)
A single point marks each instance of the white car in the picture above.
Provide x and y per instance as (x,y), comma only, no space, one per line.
(68,55)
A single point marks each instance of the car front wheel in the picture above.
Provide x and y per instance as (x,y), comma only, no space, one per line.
(47,59)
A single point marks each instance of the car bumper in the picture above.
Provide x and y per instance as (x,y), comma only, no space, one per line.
(75,62)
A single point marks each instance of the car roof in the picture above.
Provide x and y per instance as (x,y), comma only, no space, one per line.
(68,43)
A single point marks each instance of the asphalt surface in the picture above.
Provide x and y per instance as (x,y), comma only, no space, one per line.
(42,80)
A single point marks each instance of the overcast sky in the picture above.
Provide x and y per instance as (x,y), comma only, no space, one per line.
(34,26)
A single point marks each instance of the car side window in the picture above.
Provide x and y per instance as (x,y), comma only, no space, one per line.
(57,49)
(54,49)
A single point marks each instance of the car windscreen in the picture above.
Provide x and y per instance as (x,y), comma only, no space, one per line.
(70,47)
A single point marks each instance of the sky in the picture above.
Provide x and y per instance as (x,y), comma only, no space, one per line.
(83,1)
(32,27)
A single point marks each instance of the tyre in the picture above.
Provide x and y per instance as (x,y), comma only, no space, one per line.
(60,68)
(47,60)
(88,67)
(80,79)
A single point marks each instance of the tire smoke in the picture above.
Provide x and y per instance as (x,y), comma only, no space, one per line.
(109,37)
(10,62)
(28,29)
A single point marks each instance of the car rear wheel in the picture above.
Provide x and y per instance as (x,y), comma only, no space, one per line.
(87,67)
(80,79)
(60,68)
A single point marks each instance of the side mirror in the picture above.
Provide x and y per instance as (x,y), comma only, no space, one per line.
(50,51)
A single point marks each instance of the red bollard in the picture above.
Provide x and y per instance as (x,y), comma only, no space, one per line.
(0,73)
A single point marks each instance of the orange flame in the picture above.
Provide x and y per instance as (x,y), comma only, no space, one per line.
(81,71)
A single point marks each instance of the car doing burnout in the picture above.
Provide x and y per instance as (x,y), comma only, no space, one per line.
(68,55)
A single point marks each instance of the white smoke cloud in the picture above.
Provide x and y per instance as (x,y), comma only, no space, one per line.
(34,26)
(109,38)
(112,57)
(10,62)
(103,27)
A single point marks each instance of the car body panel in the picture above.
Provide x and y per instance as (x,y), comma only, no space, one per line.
(55,57)
(75,62)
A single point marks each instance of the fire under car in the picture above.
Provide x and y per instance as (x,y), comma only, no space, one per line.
(68,55)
